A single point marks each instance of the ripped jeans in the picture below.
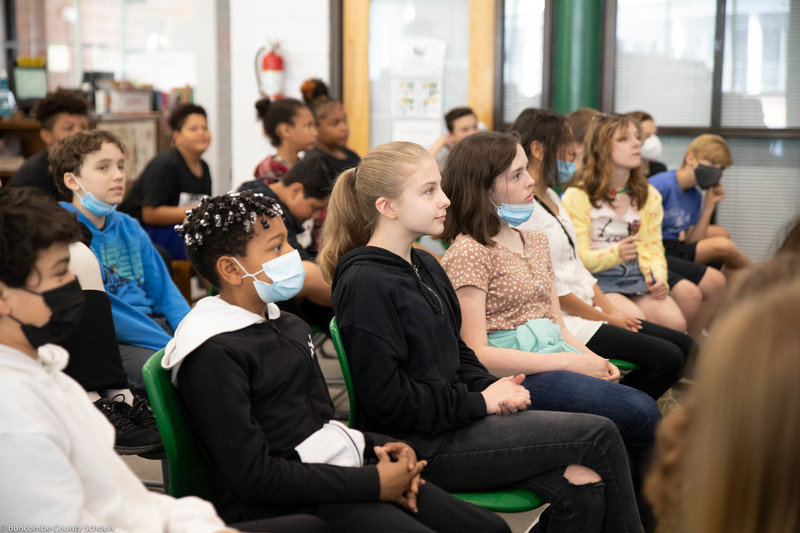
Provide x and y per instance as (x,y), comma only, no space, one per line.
(531,449)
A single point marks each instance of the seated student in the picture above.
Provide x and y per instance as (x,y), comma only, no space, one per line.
(302,195)
(461,122)
(289,125)
(512,320)
(60,113)
(651,144)
(332,134)
(687,230)
(400,319)
(145,303)
(96,365)
(729,461)
(330,119)
(696,288)
(617,218)
(579,122)
(660,352)
(173,181)
(57,458)
(257,401)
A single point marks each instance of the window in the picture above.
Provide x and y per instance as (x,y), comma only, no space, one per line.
(523,66)
(147,41)
(760,80)
(726,67)
(665,60)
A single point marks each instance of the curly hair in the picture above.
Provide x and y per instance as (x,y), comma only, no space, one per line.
(594,176)
(69,153)
(223,225)
(178,116)
(30,222)
(57,102)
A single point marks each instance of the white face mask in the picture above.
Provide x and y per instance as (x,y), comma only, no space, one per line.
(651,148)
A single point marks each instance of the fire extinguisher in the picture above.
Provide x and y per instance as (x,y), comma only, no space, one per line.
(269,70)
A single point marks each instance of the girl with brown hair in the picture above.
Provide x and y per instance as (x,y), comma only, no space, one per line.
(503,279)
(617,218)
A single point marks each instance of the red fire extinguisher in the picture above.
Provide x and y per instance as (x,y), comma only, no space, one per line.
(269,71)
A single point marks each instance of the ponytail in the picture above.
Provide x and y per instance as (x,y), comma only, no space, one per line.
(345,228)
(352,215)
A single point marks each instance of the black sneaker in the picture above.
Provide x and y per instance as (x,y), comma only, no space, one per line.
(142,415)
(131,439)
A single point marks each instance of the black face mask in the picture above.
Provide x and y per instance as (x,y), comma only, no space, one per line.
(66,308)
(706,176)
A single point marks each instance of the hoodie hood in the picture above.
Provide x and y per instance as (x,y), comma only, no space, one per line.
(372,255)
(395,268)
(210,317)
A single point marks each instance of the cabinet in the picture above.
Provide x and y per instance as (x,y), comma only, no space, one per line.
(143,136)
(26,130)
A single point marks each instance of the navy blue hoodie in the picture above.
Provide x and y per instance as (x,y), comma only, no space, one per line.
(414,376)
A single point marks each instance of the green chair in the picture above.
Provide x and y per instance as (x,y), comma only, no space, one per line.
(624,365)
(502,501)
(187,471)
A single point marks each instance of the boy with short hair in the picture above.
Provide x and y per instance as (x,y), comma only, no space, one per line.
(61,113)
(57,460)
(145,303)
(256,399)
(461,122)
(687,229)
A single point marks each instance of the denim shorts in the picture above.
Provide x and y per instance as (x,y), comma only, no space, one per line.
(626,278)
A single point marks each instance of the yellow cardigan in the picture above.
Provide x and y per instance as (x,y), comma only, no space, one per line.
(650,249)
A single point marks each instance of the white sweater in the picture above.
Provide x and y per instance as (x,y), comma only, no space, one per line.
(58,467)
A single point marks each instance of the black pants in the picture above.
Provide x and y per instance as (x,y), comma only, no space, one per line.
(660,353)
(94,359)
(438,511)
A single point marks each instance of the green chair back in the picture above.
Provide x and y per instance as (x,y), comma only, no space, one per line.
(502,501)
(345,366)
(187,471)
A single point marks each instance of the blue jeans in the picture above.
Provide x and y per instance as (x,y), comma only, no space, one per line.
(633,412)
(531,450)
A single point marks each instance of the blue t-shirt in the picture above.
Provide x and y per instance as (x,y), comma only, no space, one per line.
(681,209)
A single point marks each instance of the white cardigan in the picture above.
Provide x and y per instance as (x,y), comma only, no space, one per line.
(58,467)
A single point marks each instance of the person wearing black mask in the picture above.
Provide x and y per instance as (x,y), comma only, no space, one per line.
(687,229)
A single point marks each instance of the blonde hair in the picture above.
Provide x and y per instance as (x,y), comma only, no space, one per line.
(352,215)
(744,458)
(729,462)
(594,176)
(711,147)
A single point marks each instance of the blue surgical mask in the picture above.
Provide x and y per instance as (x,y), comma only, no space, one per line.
(95,206)
(565,170)
(514,214)
(287,275)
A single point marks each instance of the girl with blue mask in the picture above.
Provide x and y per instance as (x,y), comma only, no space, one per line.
(588,313)
(511,315)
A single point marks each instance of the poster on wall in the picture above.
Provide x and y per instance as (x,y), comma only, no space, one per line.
(416,93)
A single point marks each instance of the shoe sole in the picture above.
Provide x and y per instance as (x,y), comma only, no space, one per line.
(136,450)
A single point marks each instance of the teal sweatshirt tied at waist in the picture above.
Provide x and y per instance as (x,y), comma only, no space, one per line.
(539,335)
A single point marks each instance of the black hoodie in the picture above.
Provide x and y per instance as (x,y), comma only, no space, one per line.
(414,376)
